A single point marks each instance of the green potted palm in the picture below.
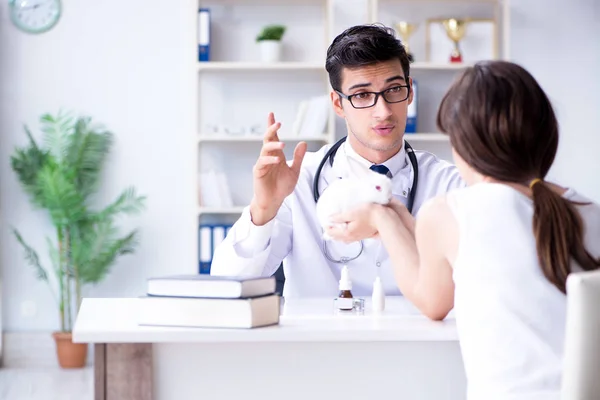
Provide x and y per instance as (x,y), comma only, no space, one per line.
(269,41)
(61,177)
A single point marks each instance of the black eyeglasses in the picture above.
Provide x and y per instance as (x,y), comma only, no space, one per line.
(396,94)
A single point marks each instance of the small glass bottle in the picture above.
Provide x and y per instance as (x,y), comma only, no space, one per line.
(345,288)
(378,297)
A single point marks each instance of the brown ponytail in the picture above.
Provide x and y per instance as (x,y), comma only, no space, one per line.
(558,230)
(502,124)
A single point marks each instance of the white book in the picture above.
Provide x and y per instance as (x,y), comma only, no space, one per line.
(225,193)
(299,118)
(314,122)
(209,313)
(210,192)
(211,286)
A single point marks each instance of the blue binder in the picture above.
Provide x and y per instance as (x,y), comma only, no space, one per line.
(209,237)
(203,34)
(411,116)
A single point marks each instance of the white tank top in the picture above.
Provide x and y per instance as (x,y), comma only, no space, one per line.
(510,318)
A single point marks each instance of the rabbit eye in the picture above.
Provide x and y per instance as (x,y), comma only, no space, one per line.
(378,188)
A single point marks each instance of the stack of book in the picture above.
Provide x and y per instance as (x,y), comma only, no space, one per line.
(208,301)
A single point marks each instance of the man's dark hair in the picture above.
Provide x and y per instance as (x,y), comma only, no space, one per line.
(363,45)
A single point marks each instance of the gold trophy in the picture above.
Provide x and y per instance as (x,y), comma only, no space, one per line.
(455,29)
(406,30)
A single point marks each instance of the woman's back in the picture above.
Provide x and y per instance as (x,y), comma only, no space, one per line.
(510,317)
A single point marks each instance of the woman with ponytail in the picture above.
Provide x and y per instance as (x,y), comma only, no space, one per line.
(498,251)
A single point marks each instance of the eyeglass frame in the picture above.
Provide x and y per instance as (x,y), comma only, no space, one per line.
(377,94)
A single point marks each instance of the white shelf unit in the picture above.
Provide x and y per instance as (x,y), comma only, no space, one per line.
(236,90)
(256,138)
(486,37)
(425,13)
(236,86)
(249,66)
(307,66)
(220,210)
(416,137)
(426,137)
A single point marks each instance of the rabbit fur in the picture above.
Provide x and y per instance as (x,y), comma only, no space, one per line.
(365,186)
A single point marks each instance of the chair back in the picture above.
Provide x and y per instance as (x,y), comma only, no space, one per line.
(581,365)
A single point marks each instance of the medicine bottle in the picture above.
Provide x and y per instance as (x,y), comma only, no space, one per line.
(345,288)
(378,297)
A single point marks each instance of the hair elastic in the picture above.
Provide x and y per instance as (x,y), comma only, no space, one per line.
(533,182)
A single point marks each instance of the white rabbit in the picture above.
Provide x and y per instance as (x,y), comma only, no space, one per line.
(344,194)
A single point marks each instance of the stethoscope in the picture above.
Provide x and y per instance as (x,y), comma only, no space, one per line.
(330,156)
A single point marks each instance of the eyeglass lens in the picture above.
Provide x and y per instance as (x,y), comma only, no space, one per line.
(392,95)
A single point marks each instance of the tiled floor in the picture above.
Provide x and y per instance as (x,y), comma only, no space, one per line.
(46,384)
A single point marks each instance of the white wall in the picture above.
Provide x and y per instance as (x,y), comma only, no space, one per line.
(130,65)
(559,42)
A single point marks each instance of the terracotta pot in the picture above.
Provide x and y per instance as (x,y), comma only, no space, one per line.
(70,355)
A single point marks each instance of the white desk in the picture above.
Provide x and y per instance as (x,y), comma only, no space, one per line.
(311,354)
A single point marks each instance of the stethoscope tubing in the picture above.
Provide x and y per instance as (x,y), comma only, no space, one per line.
(333,150)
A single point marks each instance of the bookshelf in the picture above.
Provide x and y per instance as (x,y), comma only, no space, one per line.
(250,66)
(207,138)
(426,137)
(220,210)
(236,90)
(307,66)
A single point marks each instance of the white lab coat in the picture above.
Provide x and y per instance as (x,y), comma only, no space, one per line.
(294,236)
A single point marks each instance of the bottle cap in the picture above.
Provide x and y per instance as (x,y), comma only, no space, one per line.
(345,282)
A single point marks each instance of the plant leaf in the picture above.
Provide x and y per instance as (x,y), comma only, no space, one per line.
(60,177)
(100,267)
(32,257)
(87,150)
(57,132)
(26,162)
(60,196)
(127,202)
(271,32)
(97,251)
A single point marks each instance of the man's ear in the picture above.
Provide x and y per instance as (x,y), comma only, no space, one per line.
(336,101)
(410,96)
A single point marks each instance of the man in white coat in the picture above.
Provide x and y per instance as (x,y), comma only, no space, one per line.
(369,72)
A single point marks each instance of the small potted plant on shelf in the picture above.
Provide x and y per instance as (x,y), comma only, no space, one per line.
(269,41)
(61,177)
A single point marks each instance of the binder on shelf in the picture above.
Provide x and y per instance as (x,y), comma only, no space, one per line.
(411,115)
(203,34)
(209,237)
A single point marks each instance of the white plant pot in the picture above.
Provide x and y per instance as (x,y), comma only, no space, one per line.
(270,50)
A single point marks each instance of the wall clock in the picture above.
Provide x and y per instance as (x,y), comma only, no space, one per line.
(35,16)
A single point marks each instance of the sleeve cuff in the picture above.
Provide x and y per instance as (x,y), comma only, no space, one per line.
(250,238)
